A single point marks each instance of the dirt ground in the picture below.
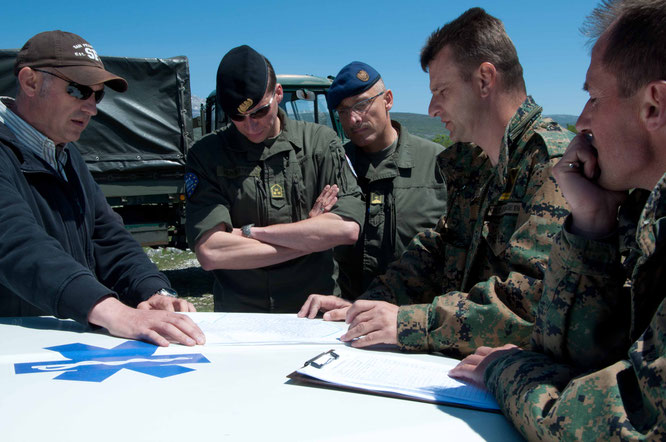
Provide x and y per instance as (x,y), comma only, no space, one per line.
(186,275)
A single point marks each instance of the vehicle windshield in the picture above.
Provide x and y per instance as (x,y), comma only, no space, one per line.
(314,110)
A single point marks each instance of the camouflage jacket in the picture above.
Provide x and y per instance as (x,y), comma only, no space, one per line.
(476,278)
(600,370)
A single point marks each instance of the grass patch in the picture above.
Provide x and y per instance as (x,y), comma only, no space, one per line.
(186,275)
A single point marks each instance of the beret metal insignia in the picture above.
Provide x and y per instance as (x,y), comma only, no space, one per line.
(245,105)
(362,75)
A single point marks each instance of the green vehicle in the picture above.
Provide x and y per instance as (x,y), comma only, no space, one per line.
(137,144)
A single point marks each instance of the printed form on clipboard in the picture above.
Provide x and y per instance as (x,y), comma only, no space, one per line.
(393,375)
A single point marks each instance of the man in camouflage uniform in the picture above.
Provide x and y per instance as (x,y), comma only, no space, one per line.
(597,367)
(476,278)
(258,213)
(403,186)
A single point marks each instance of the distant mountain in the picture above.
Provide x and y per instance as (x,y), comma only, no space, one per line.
(429,127)
(564,120)
(420,125)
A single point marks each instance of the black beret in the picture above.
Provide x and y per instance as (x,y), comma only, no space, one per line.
(353,79)
(242,78)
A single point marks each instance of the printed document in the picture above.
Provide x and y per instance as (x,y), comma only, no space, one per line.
(266,329)
(395,375)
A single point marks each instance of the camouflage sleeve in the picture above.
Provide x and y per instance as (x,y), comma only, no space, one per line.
(416,276)
(625,400)
(497,309)
(582,316)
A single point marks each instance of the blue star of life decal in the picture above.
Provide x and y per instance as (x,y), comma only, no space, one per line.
(95,364)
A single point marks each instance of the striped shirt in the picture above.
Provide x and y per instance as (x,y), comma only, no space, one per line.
(31,138)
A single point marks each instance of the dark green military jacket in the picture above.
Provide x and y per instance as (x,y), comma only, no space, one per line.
(236,182)
(404,195)
(475,279)
(599,369)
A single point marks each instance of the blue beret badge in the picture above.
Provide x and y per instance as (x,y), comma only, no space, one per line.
(191,183)
(362,75)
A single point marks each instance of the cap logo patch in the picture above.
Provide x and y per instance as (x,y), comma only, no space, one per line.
(245,105)
(88,51)
(362,75)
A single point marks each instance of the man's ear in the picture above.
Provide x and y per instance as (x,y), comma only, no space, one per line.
(653,108)
(279,93)
(29,81)
(388,99)
(486,75)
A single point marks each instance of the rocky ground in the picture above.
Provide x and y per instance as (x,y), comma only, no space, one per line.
(186,276)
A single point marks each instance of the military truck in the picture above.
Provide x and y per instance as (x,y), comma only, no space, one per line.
(137,144)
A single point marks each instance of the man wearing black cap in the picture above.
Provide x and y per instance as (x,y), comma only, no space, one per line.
(63,251)
(403,186)
(268,197)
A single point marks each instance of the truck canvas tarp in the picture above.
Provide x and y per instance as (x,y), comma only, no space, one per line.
(137,144)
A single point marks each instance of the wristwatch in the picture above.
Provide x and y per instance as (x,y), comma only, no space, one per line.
(245,230)
(167,292)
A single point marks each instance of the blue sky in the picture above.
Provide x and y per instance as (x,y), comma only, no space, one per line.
(319,38)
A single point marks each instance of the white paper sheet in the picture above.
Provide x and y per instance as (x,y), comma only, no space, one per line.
(263,329)
(398,375)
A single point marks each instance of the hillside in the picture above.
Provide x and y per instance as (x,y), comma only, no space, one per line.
(429,127)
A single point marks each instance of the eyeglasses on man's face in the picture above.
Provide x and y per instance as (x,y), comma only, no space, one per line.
(255,115)
(359,108)
(78,91)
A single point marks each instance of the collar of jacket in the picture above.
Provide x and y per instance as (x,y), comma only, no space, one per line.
(516,137)
(401,158)
(259,151)
(652,223)
(30,163)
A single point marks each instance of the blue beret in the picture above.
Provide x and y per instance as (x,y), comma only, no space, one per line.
(353,79)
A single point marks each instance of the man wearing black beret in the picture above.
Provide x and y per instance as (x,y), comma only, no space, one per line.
(268,197)
(402,183)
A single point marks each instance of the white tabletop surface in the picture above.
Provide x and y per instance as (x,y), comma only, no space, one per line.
(241,394)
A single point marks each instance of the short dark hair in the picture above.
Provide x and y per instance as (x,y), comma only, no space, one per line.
(272,79)
(477,37)
(635,32)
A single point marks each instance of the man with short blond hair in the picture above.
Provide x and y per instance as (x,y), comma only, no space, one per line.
(476,277)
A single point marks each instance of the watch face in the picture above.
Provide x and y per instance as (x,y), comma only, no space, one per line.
(168,292)
(245,230)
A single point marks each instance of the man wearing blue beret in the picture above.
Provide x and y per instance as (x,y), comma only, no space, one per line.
(402,184)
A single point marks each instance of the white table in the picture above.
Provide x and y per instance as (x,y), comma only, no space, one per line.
(241,394)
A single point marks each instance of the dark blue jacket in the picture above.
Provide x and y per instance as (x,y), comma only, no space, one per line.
(62,248)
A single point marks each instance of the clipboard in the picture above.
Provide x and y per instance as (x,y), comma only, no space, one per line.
(326,369)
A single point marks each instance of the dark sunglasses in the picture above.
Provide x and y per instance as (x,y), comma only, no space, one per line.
(256,115)
(77,90)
